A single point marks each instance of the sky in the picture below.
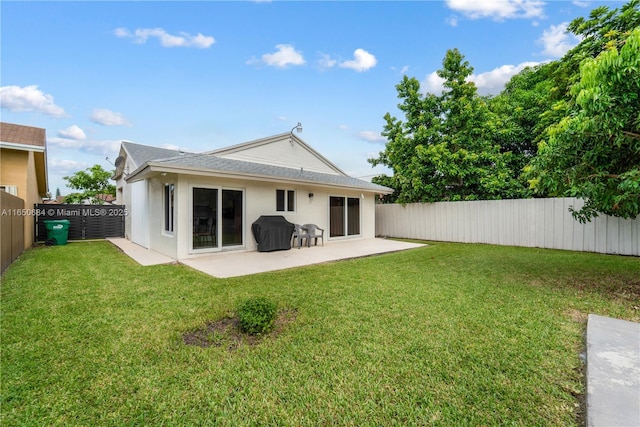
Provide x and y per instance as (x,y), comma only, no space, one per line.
(203,75)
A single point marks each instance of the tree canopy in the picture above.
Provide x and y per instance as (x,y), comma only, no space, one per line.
(570,127)
(93,183)
(445,148)
(594,151)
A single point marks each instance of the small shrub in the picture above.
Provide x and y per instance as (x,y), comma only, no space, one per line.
(256,315)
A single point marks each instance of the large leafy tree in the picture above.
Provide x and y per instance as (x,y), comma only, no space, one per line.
(445,149)
(594,151)
(519,108)
(93,184)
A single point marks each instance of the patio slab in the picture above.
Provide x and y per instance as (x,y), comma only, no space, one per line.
(241,263)
(613,372)
(233,264)
(141,255)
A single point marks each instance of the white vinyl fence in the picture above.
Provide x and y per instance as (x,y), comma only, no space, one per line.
(543,223)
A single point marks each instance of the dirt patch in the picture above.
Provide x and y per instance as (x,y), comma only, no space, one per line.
(577,316)
(623,288)
(226,332)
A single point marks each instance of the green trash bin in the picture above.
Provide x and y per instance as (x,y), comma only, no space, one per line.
(57,230)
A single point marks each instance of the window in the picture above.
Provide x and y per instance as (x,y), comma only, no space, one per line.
(285,200)
(168,207)
(344,216)
(11,189)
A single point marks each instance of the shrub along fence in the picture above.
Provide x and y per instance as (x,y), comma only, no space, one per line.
(85,221)
(544,223)
(11,228)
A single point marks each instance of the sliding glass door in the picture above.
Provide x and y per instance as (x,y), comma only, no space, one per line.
(232,218)
(217,218)
(344,216)
(205,218)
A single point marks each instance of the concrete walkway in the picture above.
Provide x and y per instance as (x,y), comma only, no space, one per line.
(613,372)
(142,256)
(241,263)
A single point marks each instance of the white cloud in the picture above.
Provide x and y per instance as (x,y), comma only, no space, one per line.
(498,10)
(362,61)
(93,147)
(65,166)
(141,35)
(402,70)
(285,55)
(433,84)
(581,3)
(372,136)
(326,61)
(488,83)
(492,82)
(557,41)
(73,132)
(29,98)
(106,117)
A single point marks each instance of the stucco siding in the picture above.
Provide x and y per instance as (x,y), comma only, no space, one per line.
(282,153)
(18,168)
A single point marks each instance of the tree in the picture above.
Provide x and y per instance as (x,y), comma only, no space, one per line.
(594,151)
(519,108)
(93,183)
(445,150)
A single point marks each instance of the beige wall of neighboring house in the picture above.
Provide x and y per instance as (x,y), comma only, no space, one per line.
(23,168)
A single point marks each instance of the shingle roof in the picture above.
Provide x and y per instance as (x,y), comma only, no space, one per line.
(219,164)
(144,153)
(19,134)
(145,156)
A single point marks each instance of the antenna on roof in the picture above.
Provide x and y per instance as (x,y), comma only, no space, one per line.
(297,128)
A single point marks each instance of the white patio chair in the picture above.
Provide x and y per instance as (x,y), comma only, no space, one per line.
(300,234)
(313,232)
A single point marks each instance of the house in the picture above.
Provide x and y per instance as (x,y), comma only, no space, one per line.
(180,204)
(23,168)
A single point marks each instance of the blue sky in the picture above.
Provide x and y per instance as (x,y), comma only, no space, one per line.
(203,75)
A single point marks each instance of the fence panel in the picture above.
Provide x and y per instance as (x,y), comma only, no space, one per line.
(544,223)
(85,221)
(11,228)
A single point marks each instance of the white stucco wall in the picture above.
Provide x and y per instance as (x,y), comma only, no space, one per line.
(259,199)
(283,153)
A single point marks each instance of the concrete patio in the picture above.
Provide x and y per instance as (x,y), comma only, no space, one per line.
(241,263)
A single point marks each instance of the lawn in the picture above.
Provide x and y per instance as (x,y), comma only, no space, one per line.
(448,334)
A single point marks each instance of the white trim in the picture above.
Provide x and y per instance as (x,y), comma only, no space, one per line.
(222,152)
(22,147)
(219,247)
(345,217)
(286,200)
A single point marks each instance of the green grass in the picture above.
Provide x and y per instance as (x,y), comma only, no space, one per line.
(448,334)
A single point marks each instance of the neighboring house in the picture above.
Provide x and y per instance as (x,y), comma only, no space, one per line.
(23,168)
(180,204)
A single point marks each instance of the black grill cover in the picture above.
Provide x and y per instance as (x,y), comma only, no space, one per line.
(272,233)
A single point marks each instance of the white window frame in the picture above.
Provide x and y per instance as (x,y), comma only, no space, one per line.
(287,192)
(168,208)
(11,189)
(219,247)
(345,216)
